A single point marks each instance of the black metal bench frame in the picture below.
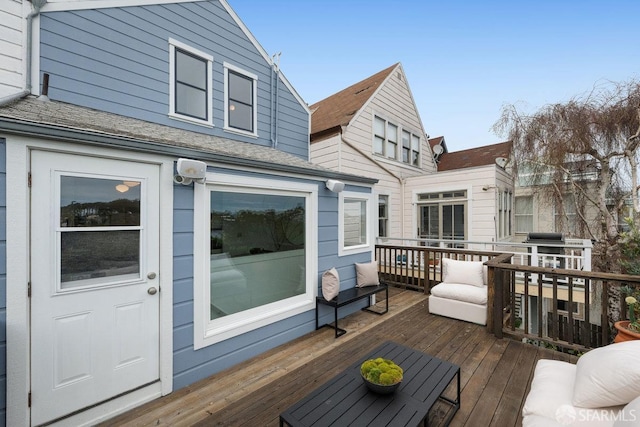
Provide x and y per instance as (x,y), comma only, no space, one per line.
(348,296)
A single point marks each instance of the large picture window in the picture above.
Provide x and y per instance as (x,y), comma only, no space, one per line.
(257,256)
(190,83)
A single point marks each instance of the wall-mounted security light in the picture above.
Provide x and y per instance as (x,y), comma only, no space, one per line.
(335,185)
(190,171)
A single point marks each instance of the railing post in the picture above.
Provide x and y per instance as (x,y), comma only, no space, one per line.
(496,304)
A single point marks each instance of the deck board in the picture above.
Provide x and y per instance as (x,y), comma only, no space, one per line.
(495,373)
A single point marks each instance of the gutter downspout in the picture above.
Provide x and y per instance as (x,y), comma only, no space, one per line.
(37,5)
(374,161)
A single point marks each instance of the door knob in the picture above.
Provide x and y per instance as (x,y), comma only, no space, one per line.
(151,276)
(152,291)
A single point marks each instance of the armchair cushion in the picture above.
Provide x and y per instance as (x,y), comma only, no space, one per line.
(463,272)
(461,292)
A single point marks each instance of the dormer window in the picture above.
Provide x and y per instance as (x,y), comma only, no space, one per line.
(190,84)
(240,100)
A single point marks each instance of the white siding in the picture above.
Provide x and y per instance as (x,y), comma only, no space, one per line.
(11,47)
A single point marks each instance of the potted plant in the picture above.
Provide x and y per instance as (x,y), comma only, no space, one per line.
(381,375)
(629,329)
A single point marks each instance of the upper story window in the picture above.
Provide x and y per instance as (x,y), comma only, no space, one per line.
(504,213)
(190,80)
(385,142)
(524,214)
(240,100)
(410,148)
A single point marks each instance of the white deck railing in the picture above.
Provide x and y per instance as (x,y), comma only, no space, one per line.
(574,254)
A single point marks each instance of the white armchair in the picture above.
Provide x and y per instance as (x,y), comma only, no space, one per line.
(462,294)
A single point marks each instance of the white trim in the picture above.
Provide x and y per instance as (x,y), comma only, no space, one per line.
(173,44)
(66,5)
(227,66)
(206,332)
(370,225)
(18,316)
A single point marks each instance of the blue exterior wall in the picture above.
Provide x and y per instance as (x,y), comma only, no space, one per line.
(3,282)
(192,365)
(117,60)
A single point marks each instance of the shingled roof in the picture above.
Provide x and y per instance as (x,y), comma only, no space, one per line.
(54,119)
(473,157)
(328,115)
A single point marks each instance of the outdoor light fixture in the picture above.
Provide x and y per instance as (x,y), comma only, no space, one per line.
(334,185)
(190,171)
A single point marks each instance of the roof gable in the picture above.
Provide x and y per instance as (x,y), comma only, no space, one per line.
(474,157)
(339,109)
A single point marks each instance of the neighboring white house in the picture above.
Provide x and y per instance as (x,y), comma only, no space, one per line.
(373,129)
(12,33)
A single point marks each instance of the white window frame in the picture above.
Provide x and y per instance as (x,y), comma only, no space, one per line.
(173,44)
(230,67)
(518,215)
(369,226)
(208,332)
(387,220)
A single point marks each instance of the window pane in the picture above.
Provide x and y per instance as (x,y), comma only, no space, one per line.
(392,132)
(415,143)
(241,116)
(191,101)
(355,222)
(257,250)
(378,127)
(378,145)
(383,208)
(97,254)
(191,70)
(240,88)
(94,202)
(406,139)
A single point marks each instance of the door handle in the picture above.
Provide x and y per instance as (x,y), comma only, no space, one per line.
(151,276)
(152,291)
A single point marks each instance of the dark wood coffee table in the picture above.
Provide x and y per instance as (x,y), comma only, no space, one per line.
(345,400)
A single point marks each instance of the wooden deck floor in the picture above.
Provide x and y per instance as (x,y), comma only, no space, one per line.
(495,374)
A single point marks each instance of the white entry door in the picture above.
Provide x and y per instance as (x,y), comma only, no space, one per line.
(94,289)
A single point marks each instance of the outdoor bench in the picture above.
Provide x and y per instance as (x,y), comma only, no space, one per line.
(348,296)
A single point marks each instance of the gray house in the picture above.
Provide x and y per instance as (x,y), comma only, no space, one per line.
(160,218)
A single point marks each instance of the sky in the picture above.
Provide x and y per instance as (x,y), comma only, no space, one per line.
(464,60)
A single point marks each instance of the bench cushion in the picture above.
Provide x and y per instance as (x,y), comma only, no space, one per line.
(461,292)
(330,284)
(367,274)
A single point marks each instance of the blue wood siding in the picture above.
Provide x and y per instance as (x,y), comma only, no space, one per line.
(192,365)
(117,60)
(3,282)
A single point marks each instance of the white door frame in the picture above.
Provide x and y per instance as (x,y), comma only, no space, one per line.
(18,151)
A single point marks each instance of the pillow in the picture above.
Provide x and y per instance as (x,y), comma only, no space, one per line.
(367,274)
(551,388)
(608,376)
(330,284)
(462,272)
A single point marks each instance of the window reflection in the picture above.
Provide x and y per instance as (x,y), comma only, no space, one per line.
(94,202)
